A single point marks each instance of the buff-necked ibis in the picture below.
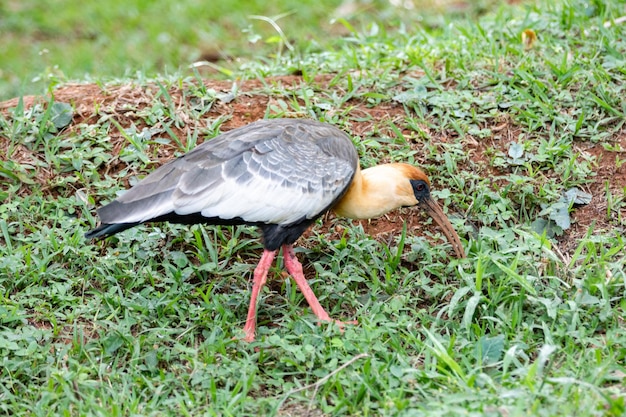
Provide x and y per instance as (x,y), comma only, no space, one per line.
(279,175)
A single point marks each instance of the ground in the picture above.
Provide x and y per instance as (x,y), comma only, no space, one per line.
(507,107)
(413,294)
(251,102)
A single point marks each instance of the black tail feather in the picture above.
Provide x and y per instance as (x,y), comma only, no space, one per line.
(106,230)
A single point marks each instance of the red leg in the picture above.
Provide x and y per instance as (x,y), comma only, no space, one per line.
(260,276)
(294,267)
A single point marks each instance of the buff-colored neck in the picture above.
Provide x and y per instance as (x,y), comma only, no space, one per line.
(378,190)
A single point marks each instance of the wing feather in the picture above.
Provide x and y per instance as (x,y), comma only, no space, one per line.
(272,171)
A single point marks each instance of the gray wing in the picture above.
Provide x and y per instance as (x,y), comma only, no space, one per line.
(272,171)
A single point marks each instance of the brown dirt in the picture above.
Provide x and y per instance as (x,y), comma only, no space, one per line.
(123,103)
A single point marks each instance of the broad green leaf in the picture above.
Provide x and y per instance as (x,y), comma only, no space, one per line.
(490,349)
(61,114)
(559,213)
(578,196)
(516,151)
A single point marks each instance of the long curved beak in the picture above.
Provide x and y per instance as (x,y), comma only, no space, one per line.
(433,209)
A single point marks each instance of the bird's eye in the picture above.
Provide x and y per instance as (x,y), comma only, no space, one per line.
(420,187)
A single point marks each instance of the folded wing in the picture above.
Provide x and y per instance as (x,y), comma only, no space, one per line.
(271,171)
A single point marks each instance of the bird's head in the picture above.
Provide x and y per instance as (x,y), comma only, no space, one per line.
(420,190)
(380,189)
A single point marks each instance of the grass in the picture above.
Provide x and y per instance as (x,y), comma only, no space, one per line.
(532,323)
(51,41)
(46,43)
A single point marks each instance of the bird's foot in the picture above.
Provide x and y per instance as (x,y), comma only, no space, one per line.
(339,323)
(248,338)
(250,333)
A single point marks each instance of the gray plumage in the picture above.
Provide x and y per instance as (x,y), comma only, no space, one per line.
(279,174)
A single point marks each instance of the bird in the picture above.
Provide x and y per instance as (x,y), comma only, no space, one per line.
(277,174)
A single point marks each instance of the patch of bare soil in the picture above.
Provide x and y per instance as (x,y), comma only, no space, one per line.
(125,103)
(609,176)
